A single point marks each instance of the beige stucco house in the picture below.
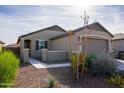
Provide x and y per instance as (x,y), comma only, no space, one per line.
(56,40)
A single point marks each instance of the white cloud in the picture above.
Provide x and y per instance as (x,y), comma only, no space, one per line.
(24,19)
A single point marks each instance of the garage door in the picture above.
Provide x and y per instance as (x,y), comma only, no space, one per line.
(96,46)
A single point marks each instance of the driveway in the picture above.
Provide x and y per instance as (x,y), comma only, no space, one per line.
(120,65)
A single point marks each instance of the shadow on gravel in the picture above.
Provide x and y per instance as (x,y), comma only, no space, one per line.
(65,78)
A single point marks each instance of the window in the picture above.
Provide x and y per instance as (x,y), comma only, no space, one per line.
(40,44)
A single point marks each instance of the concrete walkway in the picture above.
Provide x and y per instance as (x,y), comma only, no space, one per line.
(39,64)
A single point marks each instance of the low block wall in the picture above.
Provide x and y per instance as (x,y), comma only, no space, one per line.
(54,55)
(57,55)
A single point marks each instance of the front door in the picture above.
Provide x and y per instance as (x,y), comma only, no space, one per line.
(27,44)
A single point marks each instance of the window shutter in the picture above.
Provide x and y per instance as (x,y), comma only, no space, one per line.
(46,44)
(37,45)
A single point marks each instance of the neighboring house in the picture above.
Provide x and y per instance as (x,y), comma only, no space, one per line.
(118,42)
(15,48)
(1,45)
(12,45)
(55,38)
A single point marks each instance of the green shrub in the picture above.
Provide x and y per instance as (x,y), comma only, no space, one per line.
(103,65)
(89,60)
(116,80)
(9,64)
(74,60)
(51,83)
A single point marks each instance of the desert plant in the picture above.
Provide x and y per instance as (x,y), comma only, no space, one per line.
(116,80)
(74,60)
(9,64)
(89,60)
(77,63)
(51,83)
(103,65)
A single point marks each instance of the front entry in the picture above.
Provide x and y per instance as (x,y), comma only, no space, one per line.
(27,44)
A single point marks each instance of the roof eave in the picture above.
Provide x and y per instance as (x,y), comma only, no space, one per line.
(39,31)
(105,29)
(18,41)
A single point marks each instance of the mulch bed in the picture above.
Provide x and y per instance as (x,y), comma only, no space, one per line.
(30,77)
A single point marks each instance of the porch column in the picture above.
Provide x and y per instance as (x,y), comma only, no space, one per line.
(81,44)
(26,55)
(109,46)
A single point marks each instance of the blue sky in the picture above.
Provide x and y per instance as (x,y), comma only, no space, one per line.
(19,20)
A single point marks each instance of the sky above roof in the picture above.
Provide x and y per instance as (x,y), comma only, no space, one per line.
(19,20)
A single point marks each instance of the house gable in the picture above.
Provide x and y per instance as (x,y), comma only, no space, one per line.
(51,28)
(94,26)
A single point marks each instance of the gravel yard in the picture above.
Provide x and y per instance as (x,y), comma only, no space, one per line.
(30,77)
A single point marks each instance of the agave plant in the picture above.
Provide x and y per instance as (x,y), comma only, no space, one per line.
(51,82)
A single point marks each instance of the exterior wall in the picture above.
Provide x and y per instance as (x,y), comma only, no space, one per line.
(94,34)
(63,43)
(118,45)
(43,35)
(54,55)
(59,44)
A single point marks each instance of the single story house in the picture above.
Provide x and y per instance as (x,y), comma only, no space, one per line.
(15,48)
(118,43)
(12,45)
(56,40)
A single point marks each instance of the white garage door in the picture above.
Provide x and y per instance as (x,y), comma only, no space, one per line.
(96,46)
